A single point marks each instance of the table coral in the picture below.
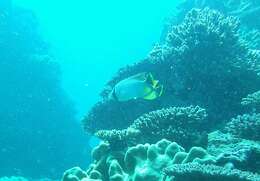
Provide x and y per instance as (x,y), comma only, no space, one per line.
(198,172)
(181,124)
(252,100)
(245,126)
(240,153)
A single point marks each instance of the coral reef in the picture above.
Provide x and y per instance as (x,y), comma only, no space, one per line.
(199,63)
(197,172)
(246,10)
(246,126)
(139,163)
(208,60)
(240,153)
(184,125)
(252,100)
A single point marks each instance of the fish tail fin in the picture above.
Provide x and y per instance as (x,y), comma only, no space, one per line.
(156,92)
(159,90)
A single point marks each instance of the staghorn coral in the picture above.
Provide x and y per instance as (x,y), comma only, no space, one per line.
(252,100)
(139,163)
(252,37)
(239,153)
(198,172)
(246,126)
(203,61)
(181,124)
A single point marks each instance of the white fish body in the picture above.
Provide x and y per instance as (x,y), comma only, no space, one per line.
(138,86)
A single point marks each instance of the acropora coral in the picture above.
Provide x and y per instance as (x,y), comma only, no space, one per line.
(198,172)
(245,126)
(239,153)
(181,124)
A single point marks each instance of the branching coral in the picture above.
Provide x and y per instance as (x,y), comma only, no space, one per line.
(246,126)
(195,171)
(252,100)
(181,124)
(246,10)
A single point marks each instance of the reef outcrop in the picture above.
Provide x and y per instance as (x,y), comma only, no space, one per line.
(203,61)
(207,67)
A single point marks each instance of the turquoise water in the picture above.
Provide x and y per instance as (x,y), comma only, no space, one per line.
(61,65)
(90,40)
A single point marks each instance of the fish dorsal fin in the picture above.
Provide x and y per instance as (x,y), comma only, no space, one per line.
(141,76)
